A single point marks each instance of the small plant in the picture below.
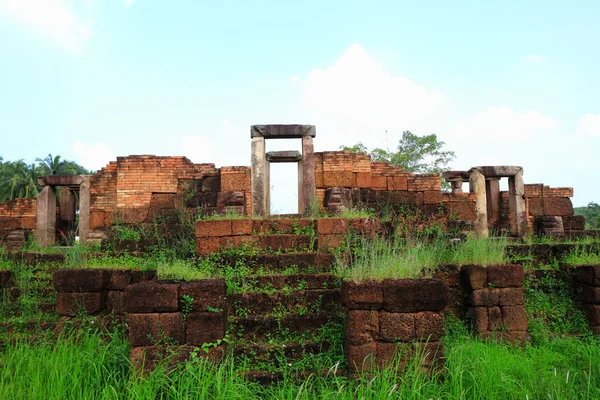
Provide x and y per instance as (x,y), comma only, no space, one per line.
(186,305)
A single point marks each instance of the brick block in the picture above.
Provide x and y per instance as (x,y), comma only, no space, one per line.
(79,280)
(235,182)
(432,197)
(397,183)
(366,295)
(70,303)
(514,318)
(117,279)
(241,227)
(363,179)
(483,298)
(149,297)
(151,329)
(114,302)
(479,316)
(361,326)
(394,327)
(326,242)
(212,228)
(379,182)
(339,179)
(362,357)
(28,222)
(204,327)
(206,293)
(206,246)
(495,320)
(534,207)
(559,206)
(473,277)
(413,295)
(330,226)
(501,276)
(510,296)
(574,223)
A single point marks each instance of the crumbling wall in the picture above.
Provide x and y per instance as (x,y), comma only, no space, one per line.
(345,179)
(17,221)
(135,189)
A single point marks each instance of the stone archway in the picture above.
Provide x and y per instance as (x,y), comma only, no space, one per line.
(484,182)
(307,189)
(46,205)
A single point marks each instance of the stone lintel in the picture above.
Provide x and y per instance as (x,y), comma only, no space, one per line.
(450,176)
(498,171)
(282,131)
(60,180)
(284,156)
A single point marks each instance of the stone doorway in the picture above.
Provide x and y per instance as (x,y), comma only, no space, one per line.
(47,221)
(261,164)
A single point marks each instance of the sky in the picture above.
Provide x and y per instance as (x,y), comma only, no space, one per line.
(500,82)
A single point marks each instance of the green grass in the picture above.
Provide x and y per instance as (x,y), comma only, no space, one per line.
(90,366)
(412,258)
(582,257)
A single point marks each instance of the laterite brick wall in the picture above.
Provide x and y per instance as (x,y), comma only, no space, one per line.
(394,317)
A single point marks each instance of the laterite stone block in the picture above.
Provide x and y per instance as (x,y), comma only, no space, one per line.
(366,295)
(79,280)
(149,297)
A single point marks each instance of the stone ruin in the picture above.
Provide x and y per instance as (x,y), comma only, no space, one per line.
(137,189)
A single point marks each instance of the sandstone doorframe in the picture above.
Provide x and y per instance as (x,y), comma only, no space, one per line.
(484,183)
(46,205)
(260,177)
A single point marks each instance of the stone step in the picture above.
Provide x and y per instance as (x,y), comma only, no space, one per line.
(300,301)
(288,351)
(304,261)
(292,281)
(257,327)
(286,242)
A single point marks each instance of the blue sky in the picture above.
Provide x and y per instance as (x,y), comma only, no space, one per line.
(507,82)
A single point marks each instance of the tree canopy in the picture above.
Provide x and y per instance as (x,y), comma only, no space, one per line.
(19,179)
(416,154)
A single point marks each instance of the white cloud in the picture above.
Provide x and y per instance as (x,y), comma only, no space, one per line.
(588,125)
(293,81)
(356,99)
(93,157)
(51,18)
(532,58)
(503,124)
(199,149)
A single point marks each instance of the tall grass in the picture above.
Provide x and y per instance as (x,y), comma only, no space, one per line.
(88,366)
(583,256)
(377,259)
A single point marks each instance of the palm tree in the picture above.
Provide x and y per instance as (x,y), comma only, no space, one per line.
(14,182)
(55,166)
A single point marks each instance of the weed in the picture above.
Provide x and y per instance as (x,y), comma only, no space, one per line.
(186,305)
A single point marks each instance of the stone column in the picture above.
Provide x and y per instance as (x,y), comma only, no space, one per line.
(46,216)
(477,186)
(492,190)
(456,185)
(84,209)
(67,205)
(308,191)
(259,206)
(268,187)
(516,203)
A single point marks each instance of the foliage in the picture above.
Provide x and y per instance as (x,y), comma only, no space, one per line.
(591,214)
(416,154)
(19,179)
(583,256)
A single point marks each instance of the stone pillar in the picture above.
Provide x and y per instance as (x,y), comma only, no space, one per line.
(259,206)
(456,185)
(307,192)
(268,187)
(84,209)
(477,186)
(516,203)
(492,190)
(67,205)
(46,216)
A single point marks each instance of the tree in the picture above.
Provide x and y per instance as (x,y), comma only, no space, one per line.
(55,166)
(19,179)
(416,154)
